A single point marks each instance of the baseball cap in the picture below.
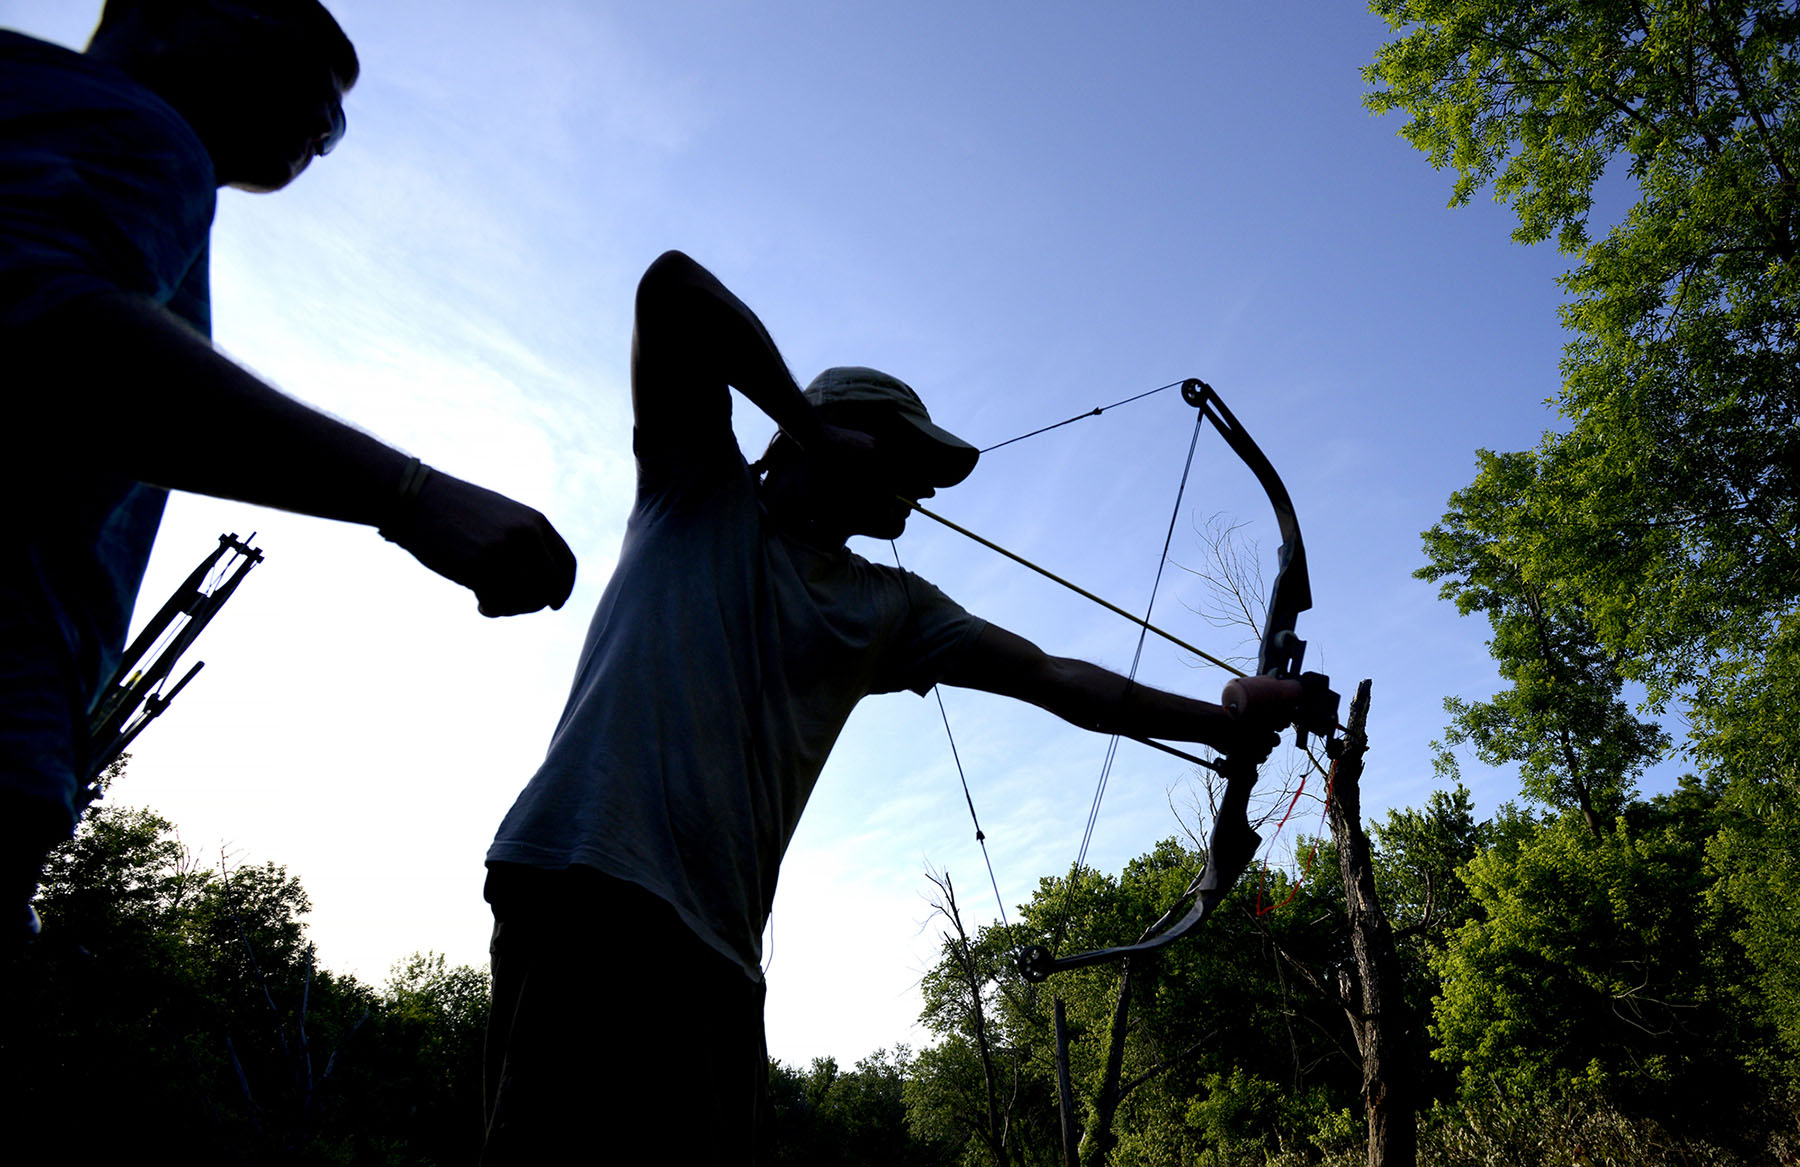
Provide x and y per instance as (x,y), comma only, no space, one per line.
(947,459)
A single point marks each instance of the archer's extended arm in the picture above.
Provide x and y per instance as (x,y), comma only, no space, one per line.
(1101,700)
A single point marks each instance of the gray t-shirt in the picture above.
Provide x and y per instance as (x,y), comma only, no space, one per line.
(721,664)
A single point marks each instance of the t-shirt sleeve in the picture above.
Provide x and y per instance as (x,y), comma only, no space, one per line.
(935,633)
(668,474)
(102,188)
(683,441)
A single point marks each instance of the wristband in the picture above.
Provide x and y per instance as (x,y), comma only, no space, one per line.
(406,499)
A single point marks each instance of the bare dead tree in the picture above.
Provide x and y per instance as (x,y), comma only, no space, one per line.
(1378,1013)
(1231,570)
(1369,992)
(995,1129)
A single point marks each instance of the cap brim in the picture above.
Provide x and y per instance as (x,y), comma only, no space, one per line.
(947,458)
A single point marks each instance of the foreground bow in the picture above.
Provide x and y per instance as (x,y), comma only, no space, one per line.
(1279,687)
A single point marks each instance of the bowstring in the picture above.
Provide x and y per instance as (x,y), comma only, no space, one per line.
(1112,746)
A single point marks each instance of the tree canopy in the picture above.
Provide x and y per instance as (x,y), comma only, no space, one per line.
(1668,509)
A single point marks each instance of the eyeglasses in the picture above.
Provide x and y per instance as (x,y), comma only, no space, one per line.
(339,123)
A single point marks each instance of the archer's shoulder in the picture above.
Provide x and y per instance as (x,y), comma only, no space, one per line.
(918,592)
(18,48)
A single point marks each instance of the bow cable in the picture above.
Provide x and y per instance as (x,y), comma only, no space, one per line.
(956,756)
(1137,656)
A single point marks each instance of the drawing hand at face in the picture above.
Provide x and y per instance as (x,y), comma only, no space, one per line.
(863,479)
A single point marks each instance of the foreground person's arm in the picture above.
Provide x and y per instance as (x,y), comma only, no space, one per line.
(125,383)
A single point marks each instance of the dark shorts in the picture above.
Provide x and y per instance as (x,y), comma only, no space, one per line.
(614,1028)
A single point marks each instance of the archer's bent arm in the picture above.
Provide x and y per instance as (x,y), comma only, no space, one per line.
(1098,699)
(691,339)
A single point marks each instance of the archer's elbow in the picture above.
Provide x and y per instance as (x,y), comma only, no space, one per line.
(670,277)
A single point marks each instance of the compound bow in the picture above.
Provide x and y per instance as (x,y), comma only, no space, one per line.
(1306,699)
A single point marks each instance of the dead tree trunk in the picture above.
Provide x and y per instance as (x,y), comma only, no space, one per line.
(1098,1141)
(1374,996)
(995,1127)
(1065,1091)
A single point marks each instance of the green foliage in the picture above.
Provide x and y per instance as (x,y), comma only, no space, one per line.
(1595,965)
(1218,1024)
(1561,719)
(1747,740)
(826,1116)
(1230,1120)
(1498,1129)
(1669,509)
(1657,540)
(1417,854)
(169,1001)
(414,1074)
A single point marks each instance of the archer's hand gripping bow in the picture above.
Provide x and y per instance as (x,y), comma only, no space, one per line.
(1305,699)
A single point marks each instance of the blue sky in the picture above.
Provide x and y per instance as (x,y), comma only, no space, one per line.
(1024,212)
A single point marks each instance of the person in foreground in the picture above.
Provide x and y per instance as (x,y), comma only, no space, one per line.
(632,878)
(109,165)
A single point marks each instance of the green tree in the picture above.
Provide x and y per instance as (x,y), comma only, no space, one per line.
(826,1115)
(1236,1013)
(1665,522)
(1598,965)
(1670,505)
(103,1013)
(411,1081)
(1745,735)
(1417,855)
(1562,718)
(168,1005)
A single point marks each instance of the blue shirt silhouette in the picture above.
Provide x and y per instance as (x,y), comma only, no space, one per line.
(104,188)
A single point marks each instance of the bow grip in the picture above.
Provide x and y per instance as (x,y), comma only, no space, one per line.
(1267,699)
(1307,702)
